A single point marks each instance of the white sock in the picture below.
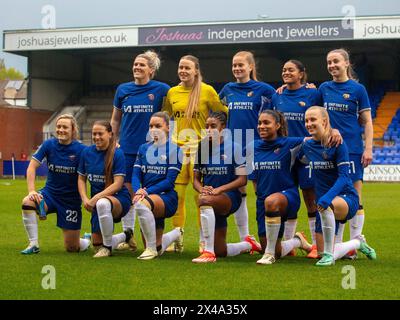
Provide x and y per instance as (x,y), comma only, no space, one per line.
(311,224)
(117,239)
(103,207)
(289,245)
(202,239)
(328,229)
(207,217)
(83,244)
(234,249)
(169,238)
(242,219)
(272,236)
(340,231)
(128,221)
(290,229)
(31,226)
(341,249)
(356,225)
(147,224)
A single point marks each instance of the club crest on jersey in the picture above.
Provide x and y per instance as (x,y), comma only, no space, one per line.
(163,157)
(302,104)
(346,95)
(325,155)
(250,94)
(72,157)
(277,150)
(224,157)
(151,96)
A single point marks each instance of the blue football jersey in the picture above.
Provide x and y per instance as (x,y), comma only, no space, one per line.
(294,104)
(344,102)
(137,103)
(245,102)
(273,161)
(62,162)
(330,169)
(218,164)
(156,167)
(92,166)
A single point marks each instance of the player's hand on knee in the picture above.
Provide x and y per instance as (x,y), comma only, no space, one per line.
(216,191)
(35,197)
(207,190)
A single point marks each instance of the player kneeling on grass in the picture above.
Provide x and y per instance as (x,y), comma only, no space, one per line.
(337,199)
(104,166)
(153,180)
(278,198)
(60,193)
(218,175)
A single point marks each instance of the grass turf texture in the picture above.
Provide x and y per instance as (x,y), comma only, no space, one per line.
(174,276)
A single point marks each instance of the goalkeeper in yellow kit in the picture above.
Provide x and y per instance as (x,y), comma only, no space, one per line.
(189,104)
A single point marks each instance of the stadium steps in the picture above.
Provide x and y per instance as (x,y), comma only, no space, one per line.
(97,108)
(384,114)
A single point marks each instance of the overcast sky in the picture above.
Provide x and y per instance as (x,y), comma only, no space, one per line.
(27,14)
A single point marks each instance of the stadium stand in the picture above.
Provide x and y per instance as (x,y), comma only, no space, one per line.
(389,153)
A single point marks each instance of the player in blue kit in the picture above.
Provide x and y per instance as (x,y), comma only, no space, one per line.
(349,110)
(293,101)
(60,193)
(245,99)
(104,166)
(337,199)
(156,169)
(219,172)
(134,103)
(277,194)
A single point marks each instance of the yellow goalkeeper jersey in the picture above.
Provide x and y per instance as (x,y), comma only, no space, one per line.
(188,132)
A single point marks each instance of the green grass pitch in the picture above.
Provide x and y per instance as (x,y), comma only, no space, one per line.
(174,276)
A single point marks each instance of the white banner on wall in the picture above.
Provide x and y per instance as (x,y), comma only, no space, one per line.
(382,28)
(389,173)
(71,39)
